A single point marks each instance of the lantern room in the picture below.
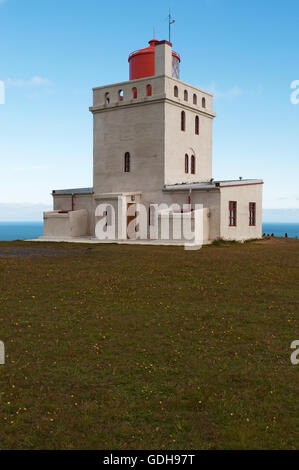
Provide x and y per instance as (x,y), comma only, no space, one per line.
(142,62)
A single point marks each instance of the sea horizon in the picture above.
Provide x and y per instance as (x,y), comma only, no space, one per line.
(26,230)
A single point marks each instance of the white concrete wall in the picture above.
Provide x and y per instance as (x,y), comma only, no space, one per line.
(139,130)
(163,58)
(149,128)
(78,223)
(178,143)
(63,202)
(209,199)
(99,93)
(243,195)
(56,224)
(171,82)
(70,224)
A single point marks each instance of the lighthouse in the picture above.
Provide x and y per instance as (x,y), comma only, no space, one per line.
(152,144)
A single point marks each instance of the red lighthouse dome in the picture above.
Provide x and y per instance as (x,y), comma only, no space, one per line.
(142,62)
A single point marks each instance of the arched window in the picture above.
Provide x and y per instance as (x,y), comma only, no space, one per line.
(107,98)
(121,95)
(196,125)
(183,121)
(194,99)
(203,102)
(176,91)
(127,162)
(186,163)
(149,90)
(186,95)
(134,92)
(192,165)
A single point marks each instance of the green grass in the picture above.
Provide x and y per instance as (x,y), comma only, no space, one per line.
(138,347)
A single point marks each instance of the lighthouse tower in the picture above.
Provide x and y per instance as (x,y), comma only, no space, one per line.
(145,128)
(152,144)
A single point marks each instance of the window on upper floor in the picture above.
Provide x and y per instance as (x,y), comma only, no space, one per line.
(186,163)
(107,98)
(232,207)
(127,162)
(252,213)
(176,91)
(194,99)
(203,102)
(149,90)
(196,125)
(186,95)
(121,95)
(183,121)
(134,93)
(192,165)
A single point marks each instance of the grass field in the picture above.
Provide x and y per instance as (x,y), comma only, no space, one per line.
(138,347)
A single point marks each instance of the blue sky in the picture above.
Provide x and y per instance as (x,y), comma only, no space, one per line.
(54,51)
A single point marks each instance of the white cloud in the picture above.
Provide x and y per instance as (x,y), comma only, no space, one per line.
(22,169)
(281,215)
(230,94)
(23,211)
(35,81)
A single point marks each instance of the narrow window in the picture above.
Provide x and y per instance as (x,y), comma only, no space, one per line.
(192,165)
(183,121)
(127,162)
(107,98)
(232,213)
(194,99)
(196,125)
(134,92)
(252,213)
(149,90)
(203,102)
(186,163)
(121,95)
(186,95)
(176,92)
(151,215)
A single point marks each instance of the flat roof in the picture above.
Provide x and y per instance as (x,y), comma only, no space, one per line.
(73,191)
(213,184)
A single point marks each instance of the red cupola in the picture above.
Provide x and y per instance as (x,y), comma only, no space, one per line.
(142,62)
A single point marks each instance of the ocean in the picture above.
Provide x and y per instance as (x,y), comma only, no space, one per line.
(279,229)
(26,230)
(20,230)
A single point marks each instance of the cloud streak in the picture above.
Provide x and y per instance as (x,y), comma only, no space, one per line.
(230,94)
(33,82)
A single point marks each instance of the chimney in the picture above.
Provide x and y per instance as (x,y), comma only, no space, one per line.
(163,58)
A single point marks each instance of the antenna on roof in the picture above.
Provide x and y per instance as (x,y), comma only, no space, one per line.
(170,22)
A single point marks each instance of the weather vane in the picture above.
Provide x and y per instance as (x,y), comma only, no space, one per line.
(171,21)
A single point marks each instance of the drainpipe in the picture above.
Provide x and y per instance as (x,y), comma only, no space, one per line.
(73,201)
